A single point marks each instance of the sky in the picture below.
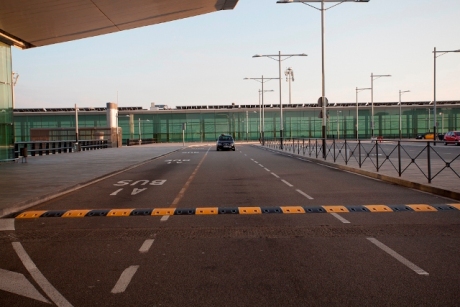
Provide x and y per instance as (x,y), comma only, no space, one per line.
(203,60)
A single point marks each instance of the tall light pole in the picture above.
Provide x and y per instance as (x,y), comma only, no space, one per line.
(400,113)
(323,74)
(434,86)
(289,73)
(279,58)
(338,123)
(374,77)
(262,81)
(261,111)
(357,91)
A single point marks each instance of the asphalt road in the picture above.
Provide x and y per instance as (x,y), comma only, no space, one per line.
(317,259)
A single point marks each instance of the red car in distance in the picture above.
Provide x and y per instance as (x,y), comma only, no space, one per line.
(452,137)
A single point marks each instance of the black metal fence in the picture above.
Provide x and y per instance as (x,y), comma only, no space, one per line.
(429,158)
(39,148)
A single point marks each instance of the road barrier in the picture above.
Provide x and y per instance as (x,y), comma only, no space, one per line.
(40,148)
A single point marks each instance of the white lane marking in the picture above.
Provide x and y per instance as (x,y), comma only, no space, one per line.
(146,245)
(125,279)
(275,175)
(261,165)
(116,192)
(41,280)
(18,284)
(255,161)
(252,159)
(164,218)
(304,194)
(6,224)
(267,169)
(287,183)
(398,257)
(345,221)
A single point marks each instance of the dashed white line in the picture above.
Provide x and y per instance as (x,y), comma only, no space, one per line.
(125,279)
(398,257)
(275,175)
(337,216)
(146,246)
(41,280)
(261,165)
(164,218)
(304,194)
(287,183)
(267,169)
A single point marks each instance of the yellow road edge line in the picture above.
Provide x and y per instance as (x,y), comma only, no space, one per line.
(203,211)
(378,208)
(422,207)
(292,209)
(335,209)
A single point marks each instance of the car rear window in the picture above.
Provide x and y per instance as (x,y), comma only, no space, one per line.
(225,138)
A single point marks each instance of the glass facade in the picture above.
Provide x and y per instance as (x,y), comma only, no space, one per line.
(244,124)
(6,104)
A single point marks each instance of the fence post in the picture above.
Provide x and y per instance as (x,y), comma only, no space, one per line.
(377,154)
(429,161)
(333,144)
(346,153)
(399,158)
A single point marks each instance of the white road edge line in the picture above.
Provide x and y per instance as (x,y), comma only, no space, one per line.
(287,183)
(39,278)
(6,224)
(398,257)
(327,166)
(337,216)
(125,279)
(275,175)
(146,245)
(304,194)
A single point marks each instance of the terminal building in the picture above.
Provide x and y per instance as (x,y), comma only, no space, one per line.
(205,123)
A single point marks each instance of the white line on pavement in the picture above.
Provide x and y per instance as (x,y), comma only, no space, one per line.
(41,280)
(345,221)
(398,257)
(6,224)
(287,183)
(327,166)
(275,175)
(164,218)
(146,245)
(267,169)
(125,279)
(304,194)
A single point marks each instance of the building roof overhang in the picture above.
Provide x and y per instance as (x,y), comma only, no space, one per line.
(31,23)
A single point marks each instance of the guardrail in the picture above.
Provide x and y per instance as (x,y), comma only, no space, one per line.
(131,142)
(429,158)
(34,148)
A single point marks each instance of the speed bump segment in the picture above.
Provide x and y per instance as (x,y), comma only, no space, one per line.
(336,209)
(30,214)
(378,208)
(422,207)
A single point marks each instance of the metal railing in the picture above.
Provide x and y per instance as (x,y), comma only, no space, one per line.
(428,158)
(40,148)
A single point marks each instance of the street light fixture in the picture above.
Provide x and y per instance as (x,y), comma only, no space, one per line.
(400,113)
(279,60)
(357,91)
(374,77)
(262,81)
(323,91)
(289,73)
(434,86)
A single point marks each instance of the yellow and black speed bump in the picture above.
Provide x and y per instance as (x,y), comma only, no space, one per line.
(377,208)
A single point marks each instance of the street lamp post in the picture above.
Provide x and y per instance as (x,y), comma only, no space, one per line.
(400,113)
(338,124)
(279,59)
(442,122)
(262,81)
(374,77)
(357,91)
(323,74)
(261,112)
(434,86)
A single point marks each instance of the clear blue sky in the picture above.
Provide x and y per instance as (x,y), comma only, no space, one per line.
(202,60)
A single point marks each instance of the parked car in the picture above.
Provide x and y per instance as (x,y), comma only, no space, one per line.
(452,137)
(224,142)
(425,136)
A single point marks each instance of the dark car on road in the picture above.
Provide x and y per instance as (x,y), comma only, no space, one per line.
(452,137)
(225,142)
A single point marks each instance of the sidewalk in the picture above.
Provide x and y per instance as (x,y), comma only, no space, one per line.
(23,185)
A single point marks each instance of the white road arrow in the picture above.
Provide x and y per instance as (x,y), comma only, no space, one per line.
(18,284)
